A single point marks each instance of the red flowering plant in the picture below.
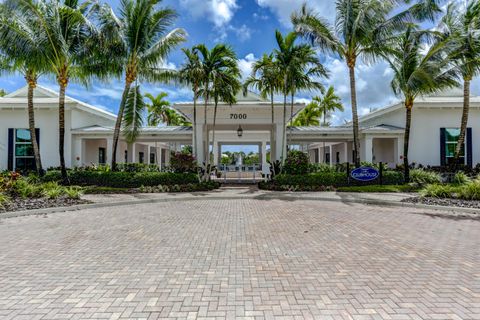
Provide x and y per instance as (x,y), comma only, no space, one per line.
(297,163)
(181,162)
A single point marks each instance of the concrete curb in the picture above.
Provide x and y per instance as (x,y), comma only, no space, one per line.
(283,197)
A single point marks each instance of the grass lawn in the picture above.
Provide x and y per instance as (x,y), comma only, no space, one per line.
(378,188)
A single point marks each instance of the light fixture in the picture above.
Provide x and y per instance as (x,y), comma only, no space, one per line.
(240,131)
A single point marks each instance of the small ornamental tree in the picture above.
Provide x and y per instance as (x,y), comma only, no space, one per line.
(181,162)
(297,163)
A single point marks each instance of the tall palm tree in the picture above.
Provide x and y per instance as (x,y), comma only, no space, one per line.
(191,73)
(67,39)
(296,65)
(157,109)
(220,74)
(21,46)
(462,29)
(173,118)
(265,79)
(309,116)
(141,42)
(417,73)
(328,104)
(361,28)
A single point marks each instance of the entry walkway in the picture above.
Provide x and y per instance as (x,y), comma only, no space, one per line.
(245,259)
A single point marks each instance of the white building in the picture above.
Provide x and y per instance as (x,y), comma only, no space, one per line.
(89,131)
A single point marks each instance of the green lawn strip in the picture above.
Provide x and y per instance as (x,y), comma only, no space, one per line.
(378,188)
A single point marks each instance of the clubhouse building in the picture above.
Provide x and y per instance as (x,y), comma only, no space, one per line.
(89,133)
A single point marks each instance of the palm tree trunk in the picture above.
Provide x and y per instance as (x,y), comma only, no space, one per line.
(61,128)
(273,107)
(464,123)
(213,140)
(353,92)
(206,148)
(406,141)
(32,83)
(118,124)
(284,130)
(194,148)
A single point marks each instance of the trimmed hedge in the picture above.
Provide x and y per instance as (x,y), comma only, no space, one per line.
(328,179)
(123,179)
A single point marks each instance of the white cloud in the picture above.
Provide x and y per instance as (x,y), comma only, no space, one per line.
(245,65)
(243,33)
(220,12)
(284,8)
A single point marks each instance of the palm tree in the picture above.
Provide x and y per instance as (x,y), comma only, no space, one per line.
(361,28)
(141,44)
(309,116)
(173,118)
(67,37)
(22,52)
(220,74)
(417,73)
(265,79)
(296,65)
(191,74)
(328,104)
(462,29)
(157,109)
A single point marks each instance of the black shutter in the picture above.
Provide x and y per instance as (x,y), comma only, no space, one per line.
(443,155)
(469,148)
(37,134)
(10,148)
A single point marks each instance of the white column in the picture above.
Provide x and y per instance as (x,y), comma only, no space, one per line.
(78,151)
(280,149)
(345,152)
(368,149)
(199,141)
(134,152)
(264,155)
(320,155)
(108,156)
(399,150)
(215,150)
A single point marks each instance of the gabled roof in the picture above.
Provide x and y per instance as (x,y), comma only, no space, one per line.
(46,97)
(147,130)
(449,99)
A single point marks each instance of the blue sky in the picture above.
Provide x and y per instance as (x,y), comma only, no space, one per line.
(248,26)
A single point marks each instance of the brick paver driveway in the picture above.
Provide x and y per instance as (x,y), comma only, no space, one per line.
(248,259)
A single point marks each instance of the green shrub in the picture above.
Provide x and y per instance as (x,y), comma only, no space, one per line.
(322,167)
(470,191)
(461,178)
(73,192)
(23,189)
(4,199)
(439,191)
(422,177)
(191,187)
(123,179)
(181,162)
(297,163)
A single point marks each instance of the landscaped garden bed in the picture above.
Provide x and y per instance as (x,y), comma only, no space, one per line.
(26,193)
(473,204)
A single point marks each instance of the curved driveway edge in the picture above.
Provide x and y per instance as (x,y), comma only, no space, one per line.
(378,199)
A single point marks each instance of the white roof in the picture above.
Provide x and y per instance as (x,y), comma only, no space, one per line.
(449,99)
(44,97)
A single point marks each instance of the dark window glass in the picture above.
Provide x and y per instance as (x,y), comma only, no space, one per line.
(141,157)
(101,155)
(327,158)
(152,157)
(451,138)
(126,156)
(24,164)
(24,150)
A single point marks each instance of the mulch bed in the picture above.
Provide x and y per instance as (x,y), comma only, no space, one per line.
(475,204)
(19,204)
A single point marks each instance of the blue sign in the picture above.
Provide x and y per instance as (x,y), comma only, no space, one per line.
(365,174)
